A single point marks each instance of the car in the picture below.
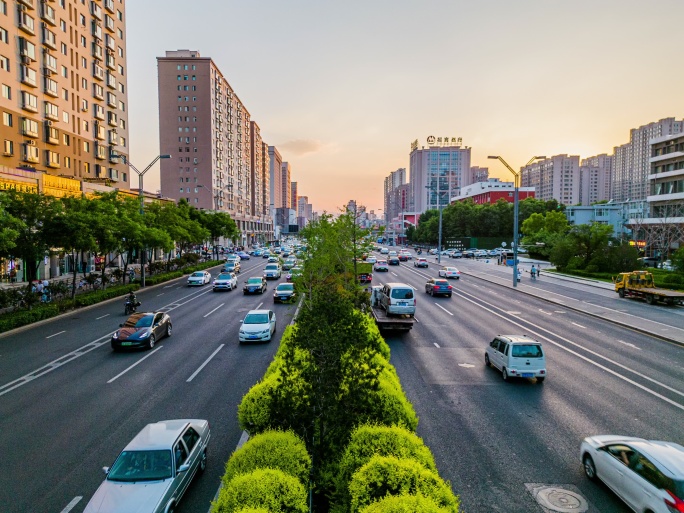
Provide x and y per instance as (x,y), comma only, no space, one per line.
(469,253)
(199,278)
(365,278)
(258,326)
(403,257)
(384,251)
(420,262)
(272,271)
(225,281)
(242,255)
(289,263)
(273,260)
(480,253)
(647,475)
(255,285)
(284,292)
(232,258)
(517,356)
(293,273)
(407,253)
(142,329)
(438,287)
(266,254)
(381,265)
(231,266)
(393,260)
(492,253)
(449,272)
(433,251)
(154,469)
(371,259)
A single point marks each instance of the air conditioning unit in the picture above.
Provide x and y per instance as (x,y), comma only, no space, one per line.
(47,72)
(31,143)
(25,59)
(48,123)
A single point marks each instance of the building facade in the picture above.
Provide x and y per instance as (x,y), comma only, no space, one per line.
(595,179)
(294,203)
(276,180)
(612,214)
(556,177)
(64,95)
(437,172)
(632,167)
(392,182)
(492,191)
(286,185)
(208,131)
(476,174)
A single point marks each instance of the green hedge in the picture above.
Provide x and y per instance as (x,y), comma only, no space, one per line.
(160,278)
(253,510)
(282,450)
(254,411)
(202,266)
(404,504)
(263,488)
(12,320)
(384,475)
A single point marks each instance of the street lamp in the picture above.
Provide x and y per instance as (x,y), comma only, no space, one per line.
(141,174)
(515,211)
(439,236)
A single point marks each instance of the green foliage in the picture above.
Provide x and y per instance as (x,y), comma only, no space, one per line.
(673,279)
(160,278)
(387,475)
(263,488)
(253,510)
(404,504)
(202,266)
(678,260)
(13,320)
(282,450)
(254,411)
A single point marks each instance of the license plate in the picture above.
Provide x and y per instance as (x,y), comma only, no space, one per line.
(527,375)
(401,303)
(253,336)
(126,343)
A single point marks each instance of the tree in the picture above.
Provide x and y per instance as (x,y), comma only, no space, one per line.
(8,232)
(581,246)
(218,224)
(678,260)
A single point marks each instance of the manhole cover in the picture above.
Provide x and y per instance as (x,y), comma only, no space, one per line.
(563,501)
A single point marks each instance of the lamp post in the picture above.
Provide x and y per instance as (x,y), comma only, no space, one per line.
(515,211)
(439,233)
(141,175)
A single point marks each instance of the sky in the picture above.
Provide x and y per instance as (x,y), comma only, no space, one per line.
(343,87)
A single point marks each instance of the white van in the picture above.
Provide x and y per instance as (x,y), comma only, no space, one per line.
(398,299)
(517,356)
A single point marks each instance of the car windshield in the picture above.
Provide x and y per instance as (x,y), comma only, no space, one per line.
(442,283)
(402,293)
(272,267)
(382,262)
(223,277)
(284,287)
(197,275)
(451,269)
(254,281)
(527,351)
(139,321)
(261,318)
(141,466)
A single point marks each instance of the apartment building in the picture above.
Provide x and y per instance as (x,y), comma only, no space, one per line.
(475,175)
(286,175)
(595,179)
(556,177)
(394,180)
(208,131)
(631,166)
(666,195)
(276,178)
(64,96)
(293,196)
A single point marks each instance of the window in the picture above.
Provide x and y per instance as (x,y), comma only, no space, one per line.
(6,91)
(63,49)
(4,63)
(8,148)
(84,42)
(62,25)
(7,119)
(29,101)
(65,117)
(3,35)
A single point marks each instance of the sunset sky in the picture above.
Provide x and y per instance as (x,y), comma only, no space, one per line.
(342,88)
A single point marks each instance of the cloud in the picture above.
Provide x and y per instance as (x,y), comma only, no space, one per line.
(300,147)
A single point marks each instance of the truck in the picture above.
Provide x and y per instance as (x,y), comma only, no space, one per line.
(385,321)
(364,272)
(640,284)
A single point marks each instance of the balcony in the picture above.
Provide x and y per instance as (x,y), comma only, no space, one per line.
(50,87)
(31,153)
(98,71)
(112,119)
(97,51)
(111,80)
(49,38)
(26,22)
(110,61)
(48,14)
(98,92)
(100,131)
(100,151)
(28,76)
(96,10)
(51,133)
(27,3)
(99,112)
(113,137)
(109,5)
(96,31)
(109,23)
(52,159)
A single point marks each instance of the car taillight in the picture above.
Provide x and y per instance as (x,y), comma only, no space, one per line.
(676,505)
(414,301)
(449,287)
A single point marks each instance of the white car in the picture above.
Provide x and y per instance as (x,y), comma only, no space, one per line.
(517,356)
(199,278)
(225,281)
(480,253)
(371,259)
(258,326)
(384,251)
(449,272)
(272,271)
(647,475)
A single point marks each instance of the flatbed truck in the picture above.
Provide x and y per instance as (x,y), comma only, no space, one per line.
(639,284)
(385,321)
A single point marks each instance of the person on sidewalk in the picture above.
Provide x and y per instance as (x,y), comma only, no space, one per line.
(533,272)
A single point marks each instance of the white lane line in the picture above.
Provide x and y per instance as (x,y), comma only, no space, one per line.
(205,362)
(436,344)
(54,335)
(101,317)
(161,294)
(219,306)
(628,344)
(394,274)
(447,311)
(514,313)
(134,365)
(559,311)
(168,286)
(259,306)
(415,318)
(72,504)
(579,325)
(545,312)
(586,358)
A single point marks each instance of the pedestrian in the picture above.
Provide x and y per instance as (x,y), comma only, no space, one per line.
(519,275)
(533,272)
(46,283)
(39,287)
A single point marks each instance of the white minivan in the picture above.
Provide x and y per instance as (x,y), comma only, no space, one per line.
(517,356)
(398,299)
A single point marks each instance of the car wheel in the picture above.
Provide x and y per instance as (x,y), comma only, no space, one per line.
(589,467)
(448,295)
(504,374)
(650,299)
(432,292)
(540,380)
(487,362)
(150,343)
(621,292)
(203,461)
(169,329)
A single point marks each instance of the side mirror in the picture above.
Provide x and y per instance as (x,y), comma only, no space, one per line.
(120,325)
(183,468)
(105,470)
(242,320)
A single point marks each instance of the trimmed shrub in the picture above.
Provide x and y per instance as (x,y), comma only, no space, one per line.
(102,295)
(263,488)
(253,510)
(404,504)
(673,279)
(370,440)
(13,320)
(375,339)
(202,266)
(254,411)
(383,476)
(282,450)
(159,278)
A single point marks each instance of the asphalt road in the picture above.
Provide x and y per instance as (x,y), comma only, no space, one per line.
(495,440)
(68,404)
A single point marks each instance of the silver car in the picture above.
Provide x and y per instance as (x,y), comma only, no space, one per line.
(154,469)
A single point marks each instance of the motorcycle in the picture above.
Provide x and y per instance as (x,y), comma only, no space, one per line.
(131,306)
(420,252)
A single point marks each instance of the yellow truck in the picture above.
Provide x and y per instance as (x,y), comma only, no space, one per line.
(640,284)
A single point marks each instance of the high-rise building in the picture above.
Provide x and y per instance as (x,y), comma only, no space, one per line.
(631,166)
(208,130)
(286,187)
(266,179)
(392,182)
(476,174)
(302,201)
(595,179)
(293,195)
(437,172)
(556,177)
(64,95)
(276,177)
(257,170)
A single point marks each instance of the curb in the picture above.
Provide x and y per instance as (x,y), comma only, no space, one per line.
(618,323)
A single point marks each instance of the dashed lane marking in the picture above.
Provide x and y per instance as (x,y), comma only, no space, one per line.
(72,504)
(436,345)
(579,325)
(55,334)
(447,311)
(101,317)
(134,365)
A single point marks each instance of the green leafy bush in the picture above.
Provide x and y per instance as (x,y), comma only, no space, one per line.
(254,411)
(282,450)
(404,504)
(12,320)
(202,266)
(383,476)
(253,510)
(673,279)
(98,296)
(263,488)
(160,278)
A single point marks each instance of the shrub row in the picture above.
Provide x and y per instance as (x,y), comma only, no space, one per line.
(269,473)
(202,266)
(159,278)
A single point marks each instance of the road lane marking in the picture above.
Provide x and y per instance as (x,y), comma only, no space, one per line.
(436,344)
(161,294)
(466,365)
(72,504)
(628,344)
(415,318)
(54,335)
(134,365)
(219,306)
(579,325)
(480,302)
(205,362)
(394,274)
(447,311)
(514,313)
(101,317)
(259,305)
(168,286)
(545,312)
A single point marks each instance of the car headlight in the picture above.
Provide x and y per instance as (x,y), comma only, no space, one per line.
(145,334)
(116,335)
(242,332)
(266,331)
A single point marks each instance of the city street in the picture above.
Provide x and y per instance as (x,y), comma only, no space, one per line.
(69,405)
